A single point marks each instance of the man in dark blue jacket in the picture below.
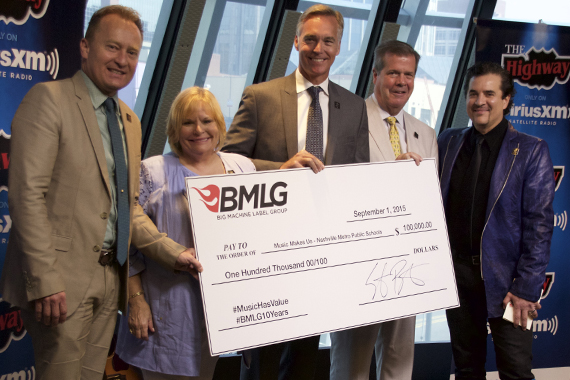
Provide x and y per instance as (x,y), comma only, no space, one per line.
(497,186)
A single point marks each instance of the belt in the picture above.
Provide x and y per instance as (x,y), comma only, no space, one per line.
(473,260)
(107,257)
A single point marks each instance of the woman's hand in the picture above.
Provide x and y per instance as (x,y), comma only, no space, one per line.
(140,317)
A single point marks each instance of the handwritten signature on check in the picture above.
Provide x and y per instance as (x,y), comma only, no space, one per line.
(397,274)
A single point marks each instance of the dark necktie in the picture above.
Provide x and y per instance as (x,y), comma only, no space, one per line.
(314,142)
(121,181)
(473,171)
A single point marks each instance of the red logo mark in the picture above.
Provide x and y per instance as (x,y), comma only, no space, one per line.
(212,201)
(547,284)
(558,175)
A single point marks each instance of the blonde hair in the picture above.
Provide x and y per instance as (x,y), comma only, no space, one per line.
(123,12)
(321,10)
(187,102)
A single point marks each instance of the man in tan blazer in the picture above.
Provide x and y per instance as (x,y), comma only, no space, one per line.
(394,71)
(61,266)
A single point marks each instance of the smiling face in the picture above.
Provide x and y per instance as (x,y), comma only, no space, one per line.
(318,44)
(394,85)
(199,133)
(110,57)
(485,103)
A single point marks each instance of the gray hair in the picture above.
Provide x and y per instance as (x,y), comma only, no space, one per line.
(321,10)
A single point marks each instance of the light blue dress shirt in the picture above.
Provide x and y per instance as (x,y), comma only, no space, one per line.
(98,98)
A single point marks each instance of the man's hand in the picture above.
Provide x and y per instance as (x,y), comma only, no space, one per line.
(522,309)
(51,310)
(140,318)
(304,159)
(187,262)
(410,156)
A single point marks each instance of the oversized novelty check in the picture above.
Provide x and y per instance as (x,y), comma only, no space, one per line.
(289,253)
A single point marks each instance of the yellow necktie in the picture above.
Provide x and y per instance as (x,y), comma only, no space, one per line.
(394,136)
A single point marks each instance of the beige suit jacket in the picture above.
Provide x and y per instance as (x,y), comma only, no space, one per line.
(59,197)
(420,138)
(265,126)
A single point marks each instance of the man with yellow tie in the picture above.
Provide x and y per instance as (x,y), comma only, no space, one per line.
(394,135)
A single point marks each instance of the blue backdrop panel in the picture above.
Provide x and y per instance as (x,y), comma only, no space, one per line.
(538,57)
(39,41)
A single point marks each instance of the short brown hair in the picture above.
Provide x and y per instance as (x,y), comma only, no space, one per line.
(395,47)
(321,10)
(126,13)
(186,102)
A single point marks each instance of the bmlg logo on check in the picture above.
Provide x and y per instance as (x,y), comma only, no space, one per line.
(231,199)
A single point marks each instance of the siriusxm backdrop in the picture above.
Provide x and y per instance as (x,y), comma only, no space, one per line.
(39,41)
(538,57)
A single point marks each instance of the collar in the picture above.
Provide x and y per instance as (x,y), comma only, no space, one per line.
(302,84)
(384,114)
(97,97)
(494,137)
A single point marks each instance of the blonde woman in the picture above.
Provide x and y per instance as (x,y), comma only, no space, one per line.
(164,332)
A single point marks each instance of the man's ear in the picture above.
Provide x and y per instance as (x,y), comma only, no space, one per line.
(84,48)
(506,101)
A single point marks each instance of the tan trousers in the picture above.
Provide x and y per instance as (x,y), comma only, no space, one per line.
(78,348)
(351,351)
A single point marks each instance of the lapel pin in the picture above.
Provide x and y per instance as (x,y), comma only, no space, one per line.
(337,105)
(416,135)
(129,117)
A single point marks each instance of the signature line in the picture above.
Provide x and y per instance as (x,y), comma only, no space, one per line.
(409,295)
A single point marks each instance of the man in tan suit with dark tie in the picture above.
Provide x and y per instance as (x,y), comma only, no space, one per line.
(72,199)
(394,135)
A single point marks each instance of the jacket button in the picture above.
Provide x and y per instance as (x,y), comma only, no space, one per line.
(96,248)
(104,215)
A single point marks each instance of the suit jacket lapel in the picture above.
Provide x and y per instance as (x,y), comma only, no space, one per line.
(133,145)
(86,108)
(413,136)
(507,154)
(451,151)
(381,149)
(289,111)
(334,129)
